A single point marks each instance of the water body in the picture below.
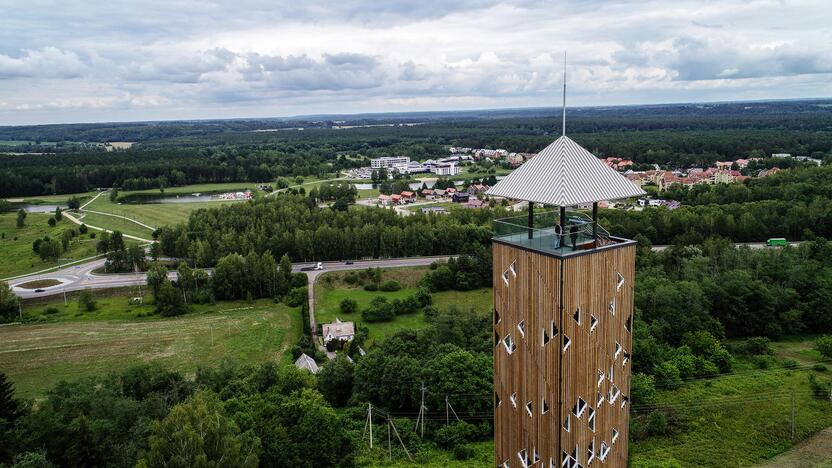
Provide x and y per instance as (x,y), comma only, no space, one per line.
(30,208)
(412,185)
(156,199)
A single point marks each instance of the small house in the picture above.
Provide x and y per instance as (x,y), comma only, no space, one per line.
(408,197)
(338,330)
(460,197)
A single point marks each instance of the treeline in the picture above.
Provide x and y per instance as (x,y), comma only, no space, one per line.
(142,169)
(690,297)
(740,222)
(232,415)
(287,224)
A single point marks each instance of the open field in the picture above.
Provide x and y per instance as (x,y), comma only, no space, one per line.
(153,214)
(16,244)
(115,224)
(815,452)
(199,188)
(328,299)
(38,355)
(46,199)
(739,419)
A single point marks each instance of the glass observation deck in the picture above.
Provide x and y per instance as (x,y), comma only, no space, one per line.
(544,233)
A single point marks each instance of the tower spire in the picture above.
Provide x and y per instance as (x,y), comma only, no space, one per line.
(564,93)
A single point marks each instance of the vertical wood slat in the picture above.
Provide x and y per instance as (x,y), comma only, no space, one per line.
(533,370)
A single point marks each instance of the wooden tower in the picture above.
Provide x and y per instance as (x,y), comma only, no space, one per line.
(563,312)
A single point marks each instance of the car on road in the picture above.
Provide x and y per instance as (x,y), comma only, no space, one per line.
(319,266)
(777,242)
(349,262)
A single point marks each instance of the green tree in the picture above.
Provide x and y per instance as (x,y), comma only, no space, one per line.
(170,301)
(52,222)
(58,213)
(335,381)
(21,217)
(348,306)
(73,203)
(87,301)
(114,195)
(9,303)
(156,275)
(197,433)
(824,346)
(83,228)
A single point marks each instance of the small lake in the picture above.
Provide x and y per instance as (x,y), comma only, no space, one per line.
(412,185)
(30,208)
(141,199)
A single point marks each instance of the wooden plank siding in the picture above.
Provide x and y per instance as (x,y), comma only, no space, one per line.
(533,371)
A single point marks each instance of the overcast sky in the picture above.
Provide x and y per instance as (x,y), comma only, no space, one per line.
(83,61)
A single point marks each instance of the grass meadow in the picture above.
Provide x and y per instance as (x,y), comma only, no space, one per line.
(70,343)
(16,244)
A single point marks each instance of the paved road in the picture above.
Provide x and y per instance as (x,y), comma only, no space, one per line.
(79,277)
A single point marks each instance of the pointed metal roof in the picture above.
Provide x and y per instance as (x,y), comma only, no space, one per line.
(565,174)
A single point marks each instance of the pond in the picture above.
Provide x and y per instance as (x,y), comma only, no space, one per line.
(31,208)
(145,199)
(412,185)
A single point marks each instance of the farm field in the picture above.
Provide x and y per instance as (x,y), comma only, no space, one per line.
(328,298)
(199,188)
(46,199)
(16,244)
(74,344)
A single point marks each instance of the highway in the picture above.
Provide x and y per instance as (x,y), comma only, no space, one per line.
(81,276)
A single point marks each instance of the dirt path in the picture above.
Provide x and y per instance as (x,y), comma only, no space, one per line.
(814,452)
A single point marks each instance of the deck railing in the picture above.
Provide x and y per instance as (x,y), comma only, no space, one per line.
(545,233)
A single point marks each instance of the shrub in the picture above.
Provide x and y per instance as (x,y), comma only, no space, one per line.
(824,346)
(819,368)
(297,297)
(642,389)
(657,423)
(463,452)
(92,235)
(348,306)
(819,390)
(761,361)
(52,222)
(371,287)
(790,364)
(51,310)
(390,286)
(379,311)
(667,375)
(86,301)
(455,434)
(351,278)
(83,229)
(757,345)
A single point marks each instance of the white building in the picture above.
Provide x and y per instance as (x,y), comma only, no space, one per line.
(338,330)
(399,163)
(445,169)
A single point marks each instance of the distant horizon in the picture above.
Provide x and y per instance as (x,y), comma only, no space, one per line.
(331,116)
(156,60)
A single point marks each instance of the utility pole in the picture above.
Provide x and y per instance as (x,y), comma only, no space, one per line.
(64,297)
(792,414)
(447,417)
(420,419)
(19,311)
(389,445)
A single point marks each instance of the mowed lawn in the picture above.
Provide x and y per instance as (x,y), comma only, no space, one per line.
(115,224)
(328,299)
(152,214)
(38,355)
(16,252)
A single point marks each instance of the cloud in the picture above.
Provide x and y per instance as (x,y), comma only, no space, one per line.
(49,62)
(202,58)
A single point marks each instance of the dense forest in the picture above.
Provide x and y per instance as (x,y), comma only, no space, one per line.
(267,415)
(177,153)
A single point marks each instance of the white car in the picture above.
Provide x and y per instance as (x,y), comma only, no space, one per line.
(319,266)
